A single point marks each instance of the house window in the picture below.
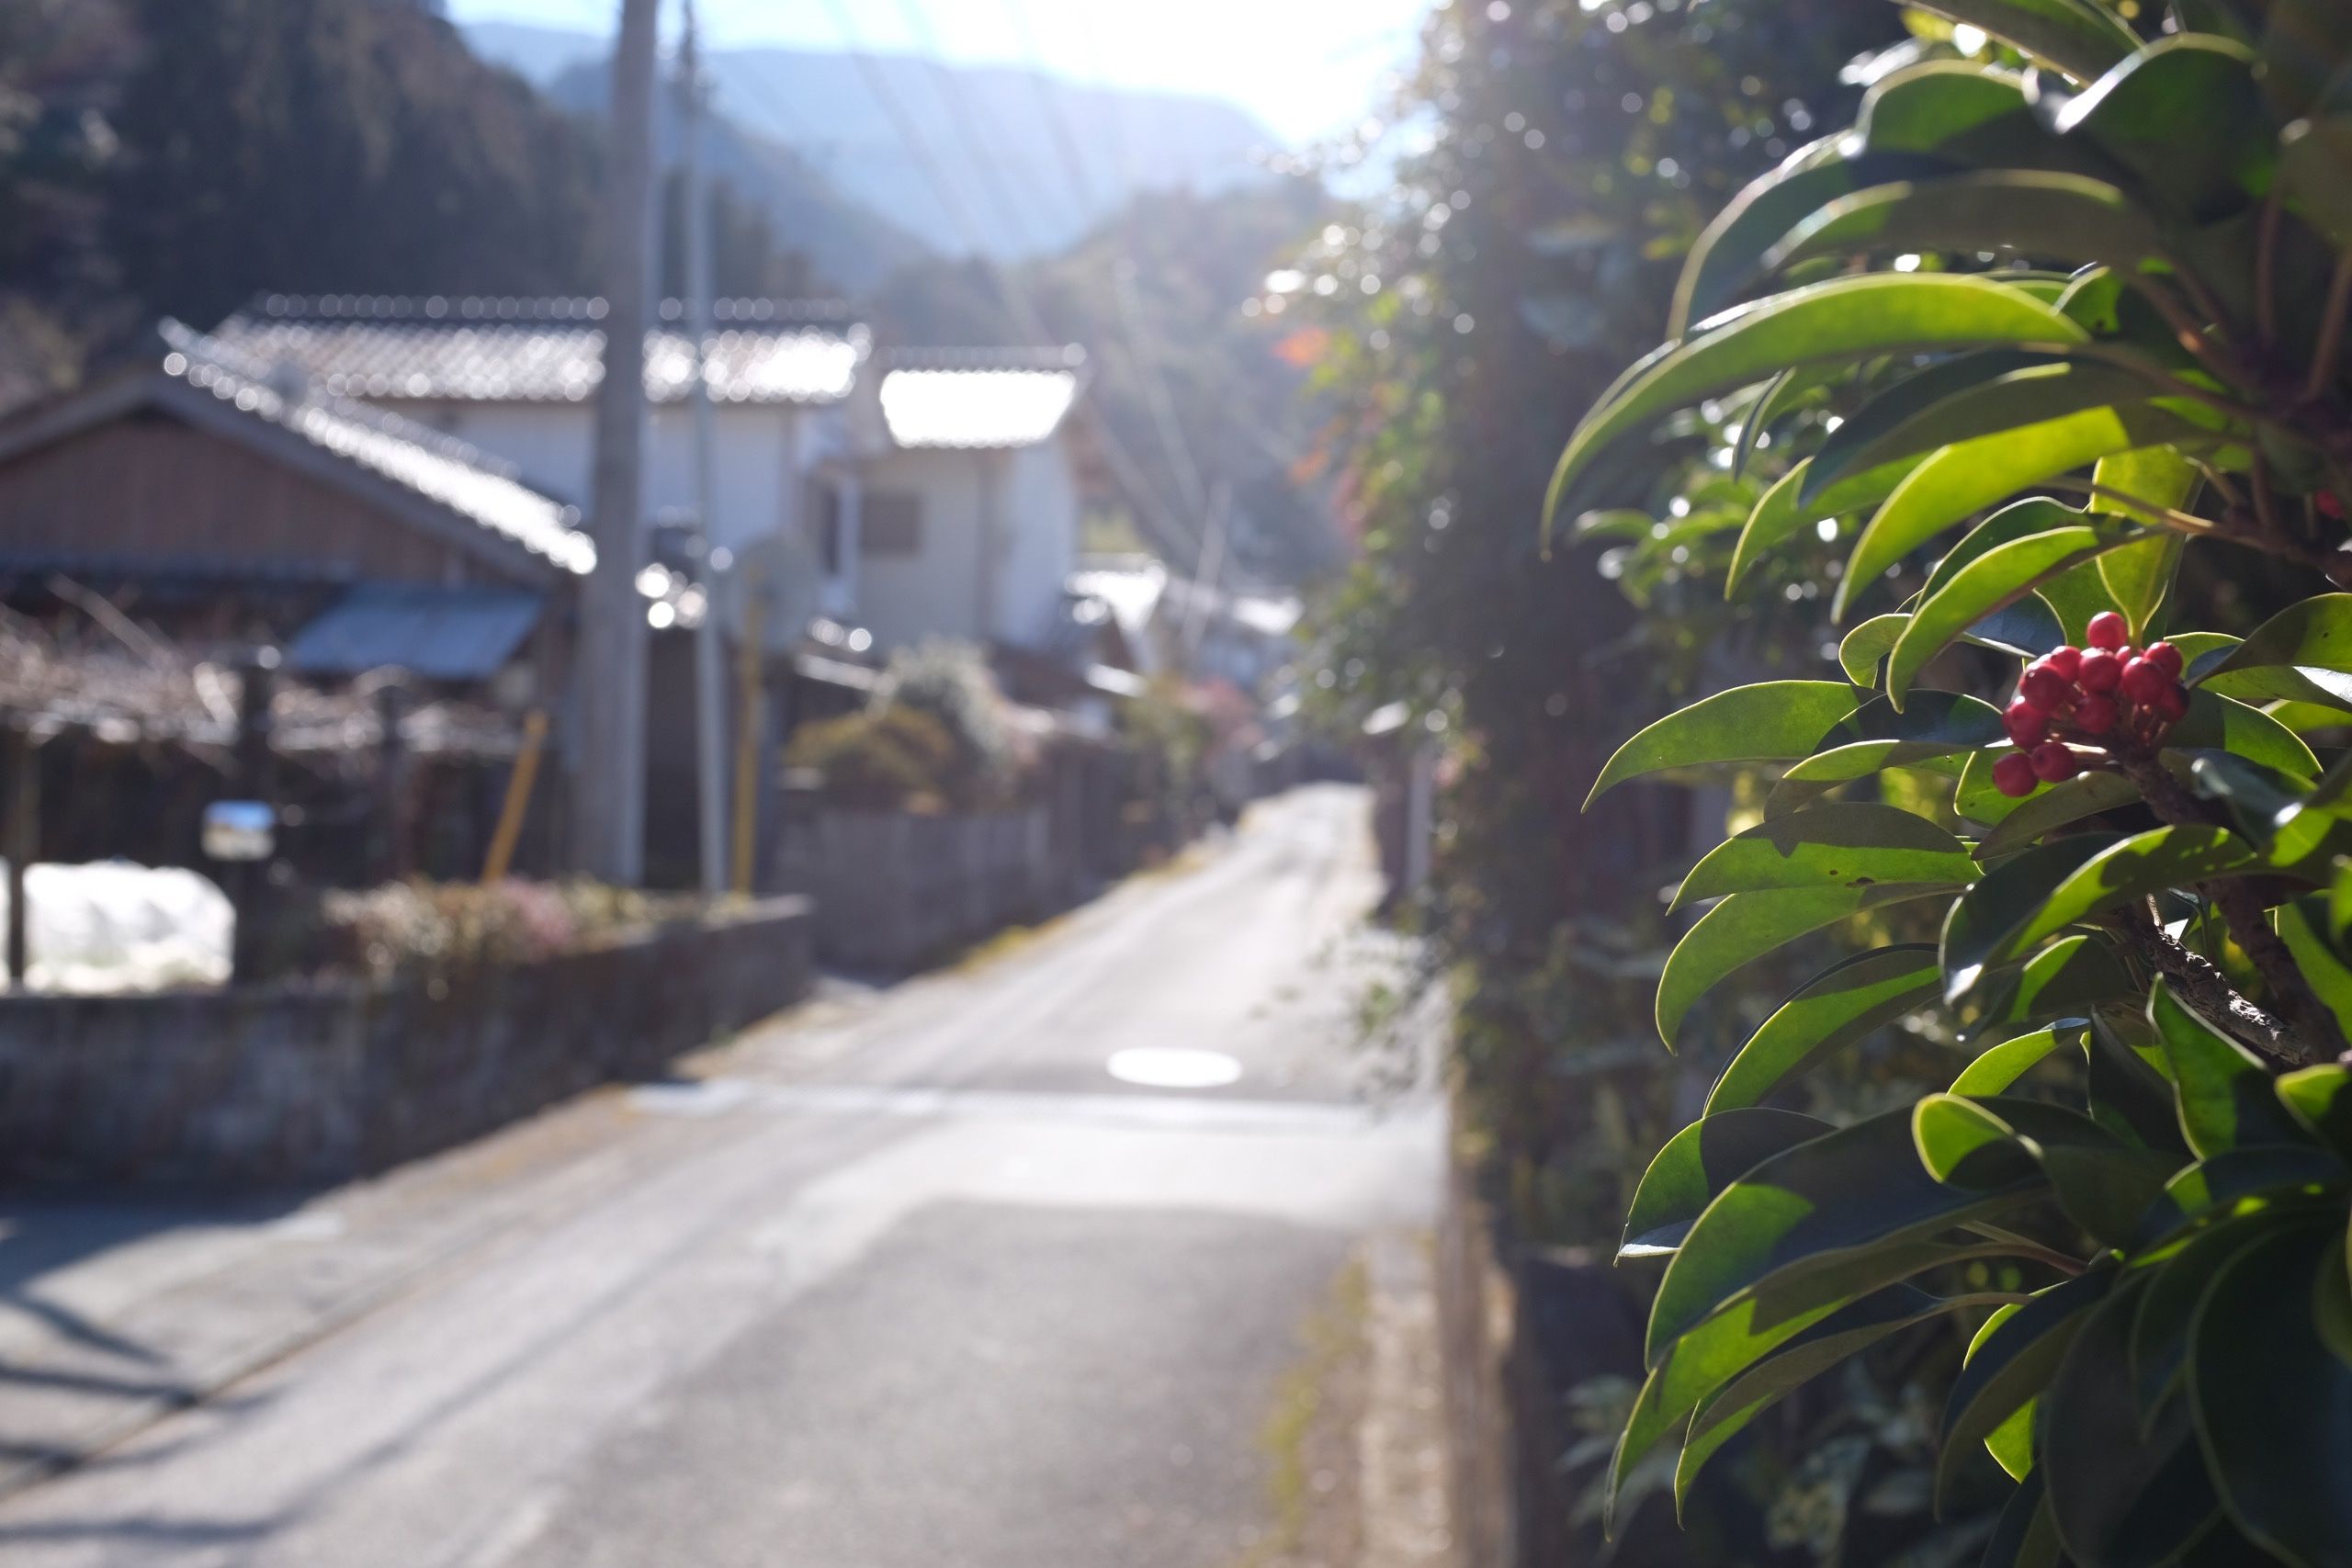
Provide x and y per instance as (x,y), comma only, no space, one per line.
(890,523)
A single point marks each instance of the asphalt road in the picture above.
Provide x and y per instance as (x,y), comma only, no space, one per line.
(917,1281)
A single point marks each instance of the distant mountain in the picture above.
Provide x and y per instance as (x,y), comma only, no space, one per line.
(1038,160)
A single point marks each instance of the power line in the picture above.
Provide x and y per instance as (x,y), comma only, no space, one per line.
(1015,298)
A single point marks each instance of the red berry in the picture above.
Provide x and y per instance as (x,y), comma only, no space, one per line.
(2095,716)
(2044,687)
(2025,722)
(2013,776)
(2052,763)
(2172,703)
(2330,505)
(2100,671)
(2144,682)
(2109,630)
(2164,657)
(2067,660)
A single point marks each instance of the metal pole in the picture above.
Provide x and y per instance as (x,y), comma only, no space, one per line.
(710,719)
(609,786)
(24,844)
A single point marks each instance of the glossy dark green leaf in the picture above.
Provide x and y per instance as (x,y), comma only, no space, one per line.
(2012,1358)
(1861,1187)
(2024,1536)
(2120,1498)
(1775,721)
(1916,415)
(1729,253)
(2102,1184)
(2073,977)
(1860,649)
(1698,1163)
(1921,107)
(2211,1190)
(1840,844)
(2074,597)
(2134,114)
(1844,320)
(1986,919)
(2136,868)
(2019,520)
(2227,724)
(2158,1355)
(2226,1100)
(1747,926)
(2273,1403)
(2085,794)
(1968,476)
(2303,653)
(2304,924)
(1725,1413)
(1998,1066)
(2077,37)
(2321,1098)
(1847,1003)
(1999,577)
(2047,216)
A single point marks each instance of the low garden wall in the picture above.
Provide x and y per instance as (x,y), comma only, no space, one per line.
(301,1083)
(894,889)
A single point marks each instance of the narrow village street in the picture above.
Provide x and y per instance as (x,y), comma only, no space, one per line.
(1106,1248)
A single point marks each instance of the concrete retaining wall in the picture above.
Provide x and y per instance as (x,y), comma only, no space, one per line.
(320,1083)
(894,889)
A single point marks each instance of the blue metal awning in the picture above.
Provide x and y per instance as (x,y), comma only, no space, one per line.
(442,634)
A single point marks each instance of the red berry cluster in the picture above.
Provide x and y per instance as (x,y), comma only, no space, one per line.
(2106,694)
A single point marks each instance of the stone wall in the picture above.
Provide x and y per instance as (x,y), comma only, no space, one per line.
(301,1083)
(895,890)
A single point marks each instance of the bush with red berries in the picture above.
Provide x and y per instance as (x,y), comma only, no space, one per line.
(2079,708)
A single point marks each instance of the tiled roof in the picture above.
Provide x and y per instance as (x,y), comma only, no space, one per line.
(979,398)
(546,350)
(436,466)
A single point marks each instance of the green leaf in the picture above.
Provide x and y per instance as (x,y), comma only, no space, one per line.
(2139,867)
(2225,1094)
(2008,1365)
(1998,1066)
(1846,1002)
(1783,511)
(1698,1163)
(1982,922)
(2158,1353)
(1726,1412)
(2019,520)
(1774,721)
(2273,1404)
(1862,649)
(1999,577)
(2321,1098)
(2073,977)
(2024,1536)
(1728,251)
(2085,794)
(2036,213)
(1961,400)
(1920,107)
(2302,654)
(1747,926)
(1968,476)
(1841,845)
(2138,578)
(2079,37)
(2225,724)
(1861,1187)
(2074,597)
(2118,1504)
(1843,320)
(2302,923)
(2264,1177)
(2102,1184)
(2135,113)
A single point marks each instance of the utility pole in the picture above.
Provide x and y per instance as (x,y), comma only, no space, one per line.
(710,741)
(609,761)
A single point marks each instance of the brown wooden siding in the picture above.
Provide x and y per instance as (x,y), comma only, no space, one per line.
(148,486)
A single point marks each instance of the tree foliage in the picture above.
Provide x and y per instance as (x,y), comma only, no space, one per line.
(2053,337)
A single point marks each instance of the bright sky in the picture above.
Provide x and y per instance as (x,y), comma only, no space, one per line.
(1305,67)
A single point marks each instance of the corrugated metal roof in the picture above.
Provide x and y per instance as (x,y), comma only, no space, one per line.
(434,465)
(543,350)
(442,634)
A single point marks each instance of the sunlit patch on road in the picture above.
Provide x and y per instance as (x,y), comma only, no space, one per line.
(1167,1067)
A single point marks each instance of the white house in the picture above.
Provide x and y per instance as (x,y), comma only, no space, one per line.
(934,494)
(960,516)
